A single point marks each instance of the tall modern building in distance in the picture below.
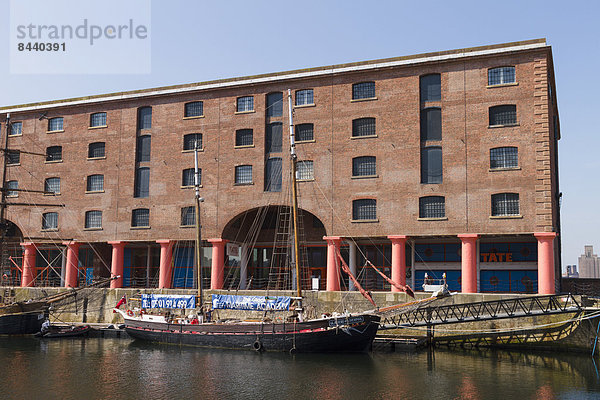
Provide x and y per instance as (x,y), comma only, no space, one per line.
(589,263)
(432,163)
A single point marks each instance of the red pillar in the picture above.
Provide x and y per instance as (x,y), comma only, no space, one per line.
(546,262)
(28,272)
(72,264)
(469,262)
(333,263)
(398,260)
(217,271)
(116,265)
(166,268)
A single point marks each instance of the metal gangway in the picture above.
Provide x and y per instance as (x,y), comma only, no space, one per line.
(428,315)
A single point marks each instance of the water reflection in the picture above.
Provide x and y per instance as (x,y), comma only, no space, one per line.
(120,369)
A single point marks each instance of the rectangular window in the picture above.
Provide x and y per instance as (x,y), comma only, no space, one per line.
(503,115)
(95,183)
(194,109)
(304,170)
(432,207)
(188,216)
(364,209)
(96,150)
(364,166)
(504,157)
(431,87)
(55,124)
(274,138)
(501,75)
(98,119)
(16,129)
(52,185)
(54,153)
(363,90)
(244,137)
(304,97)
(273,175)
(140,217)
(50,220)
(93,219)
(11,186)
(304,132)
(431,165)
(13,157)
(144,144)
(142,182)
(274,105)
(245,104)
(187,177)
(243,174)
(505,204)
(431,124)
(192,140)
(145,118)
(363,127)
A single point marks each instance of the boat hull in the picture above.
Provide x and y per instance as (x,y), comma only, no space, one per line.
(347,334)
(21,323)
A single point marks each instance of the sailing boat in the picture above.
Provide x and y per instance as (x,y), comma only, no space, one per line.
(341,333)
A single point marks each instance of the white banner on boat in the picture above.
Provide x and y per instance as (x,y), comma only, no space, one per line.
(257,303)
(168,301)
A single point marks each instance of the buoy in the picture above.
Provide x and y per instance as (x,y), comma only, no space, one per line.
(130,313)
(257,346)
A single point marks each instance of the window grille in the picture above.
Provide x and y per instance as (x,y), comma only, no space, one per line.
(244,137)
(95,183)
(245,103)
(188,216)
(304,97)
(431,87)
(364,166)
(93,219)
(304,170)
(52,185)
(503,115)
(98,119)
(55,124)
(363,127)
(363,90)
(96,150)
(54,153)
(243,174)
(140,217)
(145,118)
(194,109)
(501,75)
(504,157)
(432,207)
(364,209)
(504,204)
(304,132)
(50,220)
(190,141)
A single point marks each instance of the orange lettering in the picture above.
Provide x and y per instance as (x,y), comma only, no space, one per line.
(493,257)
(484,256)
(509,257)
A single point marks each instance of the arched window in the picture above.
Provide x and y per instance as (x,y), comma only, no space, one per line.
(194,109)
(432,207)
(363,127)
(364,209)
(505,204)
(93,219)
(145,118)
(54,153)
(363,90)
(96,150)
(140,217)
(504,157)
(501,75)
(364,166)
(503,115)
(98,119)
(191,140)
(244,137)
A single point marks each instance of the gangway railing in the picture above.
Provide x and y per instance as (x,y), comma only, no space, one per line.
(480,311)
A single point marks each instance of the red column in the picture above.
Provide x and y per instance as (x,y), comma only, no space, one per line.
(116,265)
(546,262)
(217,271)
(28,272)
(333,263)
(398,260)
(72,264)
(469,262)
(166,268)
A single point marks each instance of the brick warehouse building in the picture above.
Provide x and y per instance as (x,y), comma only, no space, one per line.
(433,163)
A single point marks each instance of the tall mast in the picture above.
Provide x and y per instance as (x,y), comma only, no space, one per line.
(293,159)
(198,225)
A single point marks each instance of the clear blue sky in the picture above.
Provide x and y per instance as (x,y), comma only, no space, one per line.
(202,40)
